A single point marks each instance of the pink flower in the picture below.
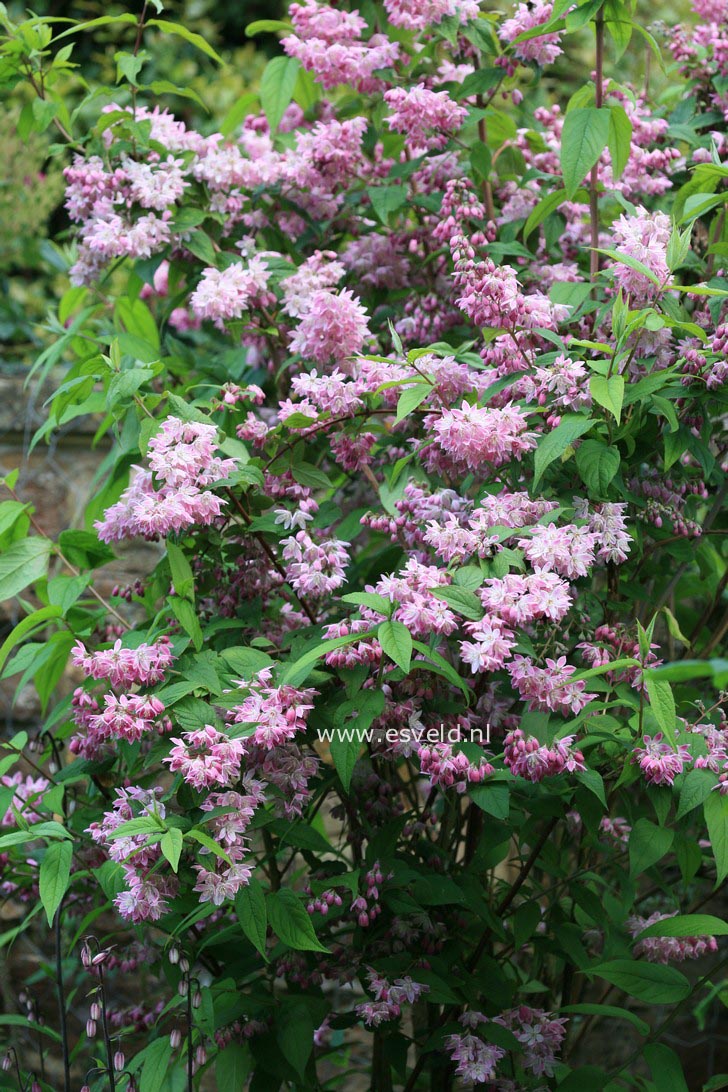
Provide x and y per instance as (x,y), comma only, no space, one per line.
(665,949)
(474,435)
(529,759)
(549,688)
(125,667)
(333,329)
(427,118)
(206,757)
(566,550)
(227,293)
(423,14)
(476,1060)
(543,49)
(659,762)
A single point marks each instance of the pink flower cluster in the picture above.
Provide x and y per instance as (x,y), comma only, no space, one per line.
(206,757)
(329,43)
(423,14)
(473,436)
(527,758)
(148,890)
(659,761)
(549,688)
(144,665)
(427,118)
(277,713)
(388,998)
(667,949)
(182,458)
(228,293)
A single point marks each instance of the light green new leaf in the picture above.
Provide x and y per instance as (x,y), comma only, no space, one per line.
(608,393)
(619,139)
(171,846)
(555,443)
(396,642)
(276,88)
(662,704)
(22,564)
(584,138)
(55,873)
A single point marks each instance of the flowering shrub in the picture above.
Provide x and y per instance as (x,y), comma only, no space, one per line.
(417,381)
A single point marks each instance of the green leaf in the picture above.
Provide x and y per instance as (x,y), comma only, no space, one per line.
(387,199)
(410,399)
(186,615)
(252,915)
(648,844)
(55,874)
(295,1033)
(189,36)
(295,673)
(15,1020)
(266,26)
(715,809)
(493,799)
(558,441)
(232,1066)
(608,393)
(22,564)
(32,621)
(157,1057)
(662,704)
(291,923)
(461,600)
(181,570)
(686,925)
(666,1069)
(171,846)
(543,209)
(595,1009)
(650,982)
(619,140)
(276,88)
(348,734)
(597,463)
(634,263)
(696,789)
(396,642)
(584,138)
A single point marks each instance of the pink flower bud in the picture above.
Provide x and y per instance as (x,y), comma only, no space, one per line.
(175,1038)
(91,1029)
(119,1061)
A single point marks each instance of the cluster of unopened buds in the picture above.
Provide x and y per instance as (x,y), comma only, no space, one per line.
(366,906)
(322,903)
(666,500)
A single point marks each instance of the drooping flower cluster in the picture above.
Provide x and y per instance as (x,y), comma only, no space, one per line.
(667,949)
(182,460)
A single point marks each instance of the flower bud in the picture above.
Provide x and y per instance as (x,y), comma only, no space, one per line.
(175,1038)
(196,999)
(95,1010)
(173,955)
(119,1061)
(91,1029)
(200,1055)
